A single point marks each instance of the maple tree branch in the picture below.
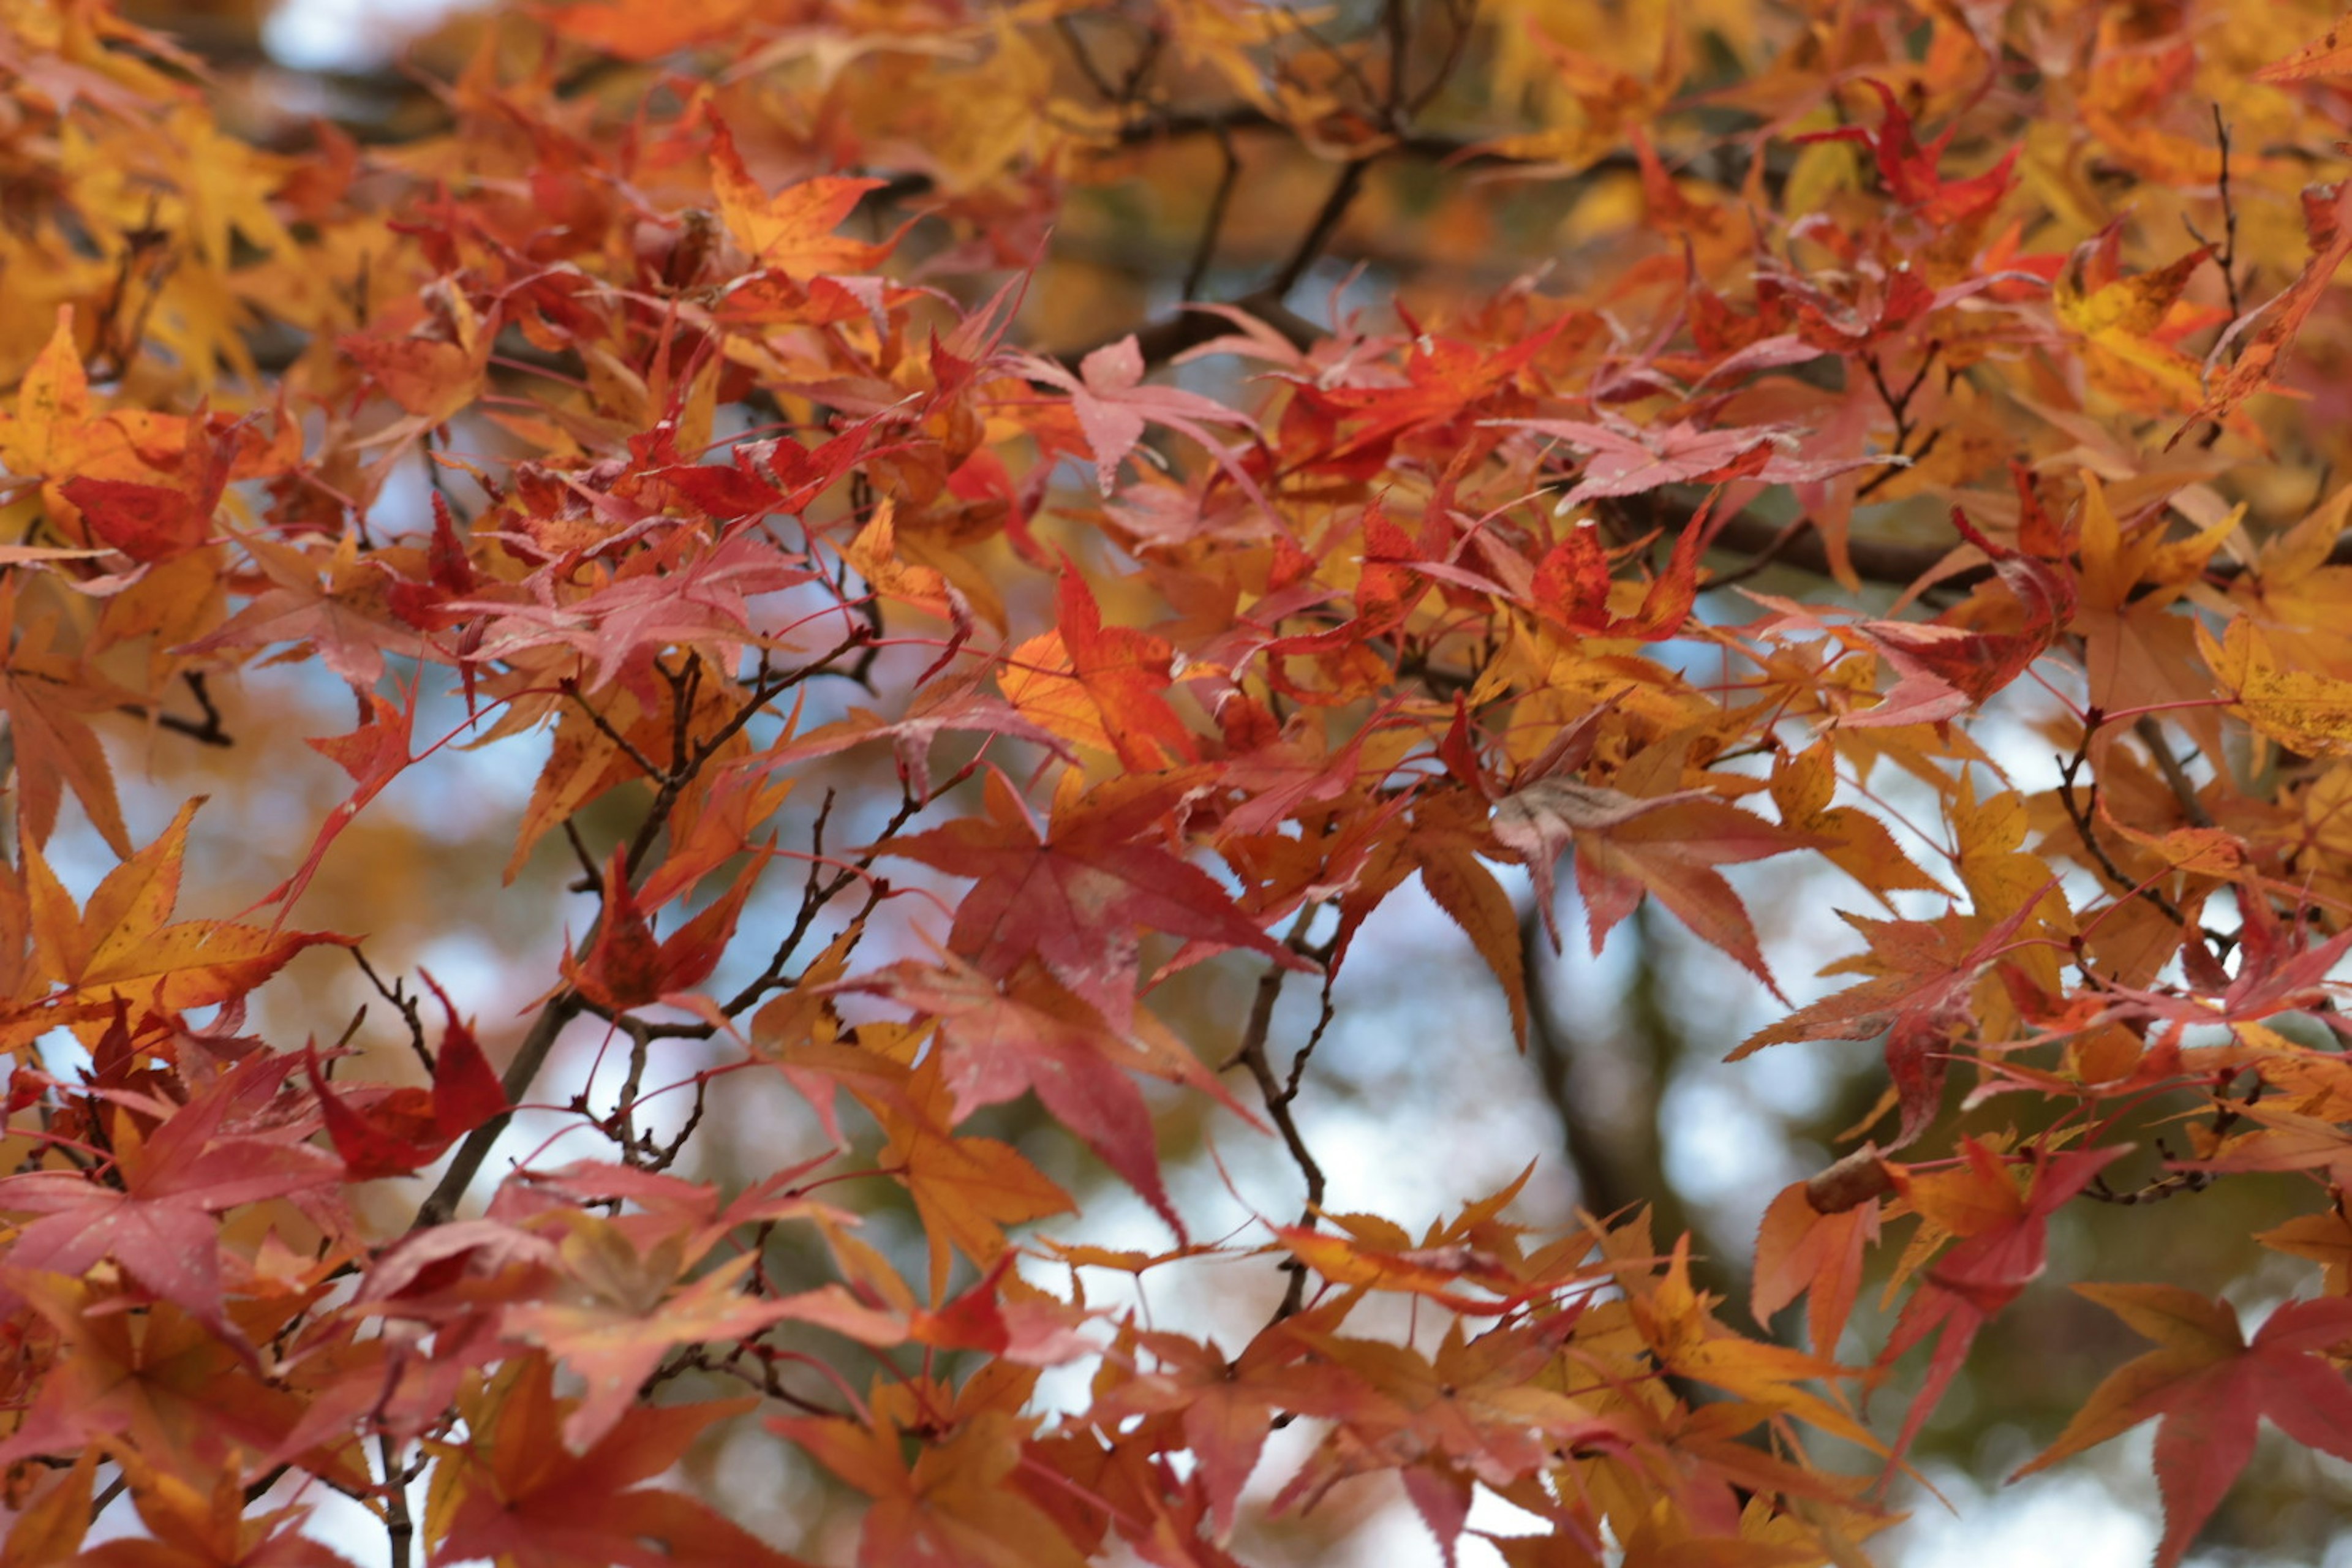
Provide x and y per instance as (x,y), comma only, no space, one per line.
(1205,250)
(1325,223)
(1396,27)
(1547,1053)
(2080,815)
(1762,560)
(627,748)
(208,733)
(592,876)
(2173,1183)
(1460,16)
(2184,788)
(399,1529)
(664,1157)
(402,1003)
(1162,340)
(621,1127)
(531,1056)
(1616,1153)
(108,1493)
(2225,255)
(1892,563)
(690,757)
(1279,1096)
(1068,29)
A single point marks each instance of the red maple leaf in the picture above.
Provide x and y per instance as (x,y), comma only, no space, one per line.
(1080,898)
(2005,1241)
(158,1224)
(1910,170)
(627,967)
(1034,1034)
(399,1130)
(374,754)
(1922,1006)
(2209,1389)
(1665,845)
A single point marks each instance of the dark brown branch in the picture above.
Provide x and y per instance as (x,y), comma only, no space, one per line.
(399,1529)
(522,1073)
(206,732)
(1319,233)
(1279,1093)
(1213,226)
(2184,788)
(1252,1056)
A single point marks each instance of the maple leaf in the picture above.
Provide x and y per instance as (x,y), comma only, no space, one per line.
(2327,220)
(2004,1244)
(159,1382)
(208,1527)
(1910,170)
(966,1190)
(1104,686)
(2305,710)
(1946,670)
(1472,1402)
(2326,55)
(2209,1388)
(1678,1323)
(943,705)
(628,1309)
(1033,1034)
(626,967)
(1804,784)
(1922,1006)
(1801,1250)
(1630,459)
(159,1223)
(1444,380)
(347,617)
(1078,899)
(1665,845)
(119,945)
(401,1130)
(791,231)
(645,29)
(2131,324)
(951,1506)
(1224,1409)
(50,1526)
(1446,837)
(1573,586)
(48,698)
(690,591)
(1437,1272)
(374,754)
(1114,405)
(519,1495)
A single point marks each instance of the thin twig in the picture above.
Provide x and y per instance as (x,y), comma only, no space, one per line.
(2082,814)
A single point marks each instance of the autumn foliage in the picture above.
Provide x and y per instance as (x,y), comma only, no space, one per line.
(988,540)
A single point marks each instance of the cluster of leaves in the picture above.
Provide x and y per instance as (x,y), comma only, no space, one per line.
(681,377)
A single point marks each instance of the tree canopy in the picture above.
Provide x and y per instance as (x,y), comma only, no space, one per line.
(708,704)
